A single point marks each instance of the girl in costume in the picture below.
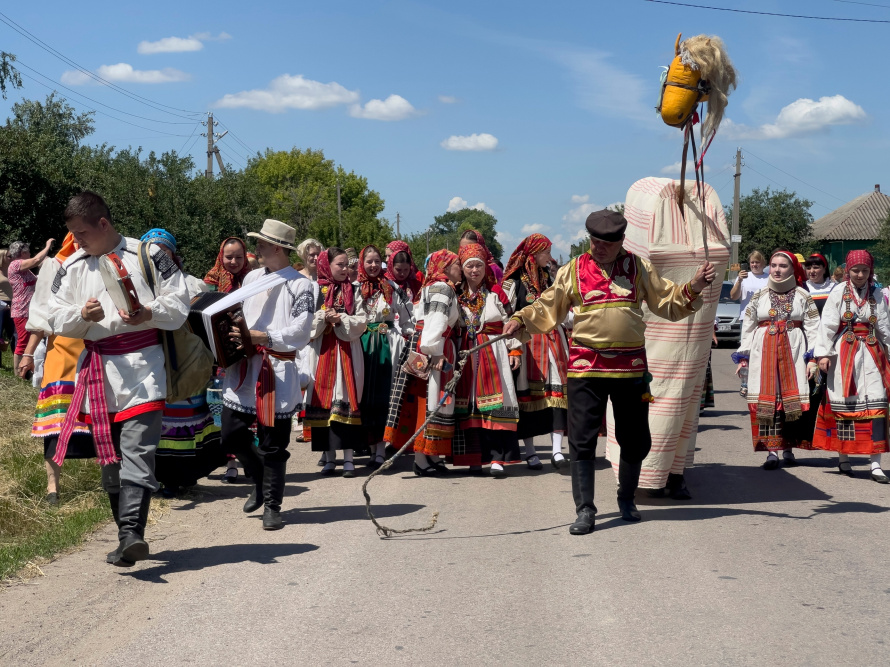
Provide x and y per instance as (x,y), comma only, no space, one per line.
(226,276)
(485,401)
(308,252)
(190,439)
(382,345)
(412,399)
(852,350)
(541,381)
(780,330)
(819,282)
(333,399)
(400,269)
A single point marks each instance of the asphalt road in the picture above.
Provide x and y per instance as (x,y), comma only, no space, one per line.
(761,567)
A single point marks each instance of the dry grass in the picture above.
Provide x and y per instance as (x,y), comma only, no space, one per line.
(33,532)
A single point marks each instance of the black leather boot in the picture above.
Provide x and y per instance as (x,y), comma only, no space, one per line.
(133,508)
(582,492)
(273,494)
(676,487)
(114,501)
(628,479)
(255,500)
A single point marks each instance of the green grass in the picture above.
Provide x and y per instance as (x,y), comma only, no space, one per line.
(32,531)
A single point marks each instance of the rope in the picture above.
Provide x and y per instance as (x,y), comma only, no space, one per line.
(386,531)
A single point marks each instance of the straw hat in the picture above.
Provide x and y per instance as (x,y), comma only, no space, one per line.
(275,231)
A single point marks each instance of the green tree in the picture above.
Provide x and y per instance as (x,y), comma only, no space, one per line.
(448,227)
(9,75)
(771,220)
(881,250)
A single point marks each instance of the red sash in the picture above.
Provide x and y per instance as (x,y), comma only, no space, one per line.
(486,380)
(777,372)
(537,358)
(847,354)
(333,348)
(265,384)
(91,382)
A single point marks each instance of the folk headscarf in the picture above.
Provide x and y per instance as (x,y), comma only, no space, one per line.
(439,262)
(860,257)
(371,285)
(334,287)
(160,236)
(69,247)
(411,283)
(798,278)
(523,259)
(477,251)
(224,280)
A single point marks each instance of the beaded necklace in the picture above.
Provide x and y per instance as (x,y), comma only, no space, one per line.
(781,306)
(474,305)
(850,298)
(531,294)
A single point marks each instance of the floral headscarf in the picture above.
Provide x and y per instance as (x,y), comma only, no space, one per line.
(480,252)
(857,257)
(335,287)
(370,286)
(221,277)
(412,283)
(800,276)
(523,259)
(435,270)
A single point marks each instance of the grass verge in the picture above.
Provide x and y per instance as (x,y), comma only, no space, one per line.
(33,532)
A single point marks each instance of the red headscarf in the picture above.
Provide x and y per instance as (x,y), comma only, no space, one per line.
(326,279)
(379,283)
(857,257)
(523,258)
(220,276)
(480,252)
(412,283)
(800,276)
(435,269)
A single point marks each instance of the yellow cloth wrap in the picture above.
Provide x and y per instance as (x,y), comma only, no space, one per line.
(678,103)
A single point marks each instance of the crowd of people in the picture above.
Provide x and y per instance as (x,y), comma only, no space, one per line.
(353,350)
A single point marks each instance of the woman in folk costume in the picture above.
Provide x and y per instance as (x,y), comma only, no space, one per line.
(382,346)
(412,399)
(57,384)
(473,236)
(189,447)
(333,399)
(852,351)
(541,381)
(485,401)
(400,269)
(819,281)
(781,328)
(226,276)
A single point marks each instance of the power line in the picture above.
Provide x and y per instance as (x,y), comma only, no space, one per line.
(238,139)
(194,129)
(784,187)
(49,49)
(796,178)
(107,106)
(749,11)
(103,113)
(867,4)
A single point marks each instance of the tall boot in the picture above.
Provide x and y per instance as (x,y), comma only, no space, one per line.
(273,494)
(133,508)
(628,480)
(255,500)
(582,492)
(114,501)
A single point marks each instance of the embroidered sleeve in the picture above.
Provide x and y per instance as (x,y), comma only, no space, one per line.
(439,298)
(57,281)
(166,267)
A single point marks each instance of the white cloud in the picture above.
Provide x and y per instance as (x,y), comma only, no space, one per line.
(291,92)
(459,203)
(676,167)
(580,212)
(170,45)
(394,107)
(180,44)
(801,117)
(473,142)
(535,228)
(122,72)
(448,99)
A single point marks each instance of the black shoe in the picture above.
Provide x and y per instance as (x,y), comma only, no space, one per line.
(628,510)
(560,462)
(254,501)
(771,463)
(429,471)
(494,472)
(676,488)
(376,461)
(537,465)
(52,498)
(584,523)
(441,468)
(273,486)
(133,509)
(845,468)
(112,556)
(657,493)
(878,476)
(272,519)
(350,471)
(788,460)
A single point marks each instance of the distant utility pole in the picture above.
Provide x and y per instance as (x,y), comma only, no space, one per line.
(212,148)
(339,212)
(398,226)
(735,209)
(427,241)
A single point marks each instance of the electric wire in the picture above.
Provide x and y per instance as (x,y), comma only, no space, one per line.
(843,201)
(750,11)
(237,138)
(783,186)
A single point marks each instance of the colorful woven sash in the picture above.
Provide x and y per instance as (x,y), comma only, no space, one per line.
(91,382)
(486,380)
(333,348)
(538,357)
(849,345)
(265,384)
(778,373)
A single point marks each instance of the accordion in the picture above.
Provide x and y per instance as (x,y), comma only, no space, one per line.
(214,328)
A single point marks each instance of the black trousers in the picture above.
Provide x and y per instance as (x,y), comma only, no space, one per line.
(237,439)
(587,409)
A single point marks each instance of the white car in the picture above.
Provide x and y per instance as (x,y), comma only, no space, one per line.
(729,325)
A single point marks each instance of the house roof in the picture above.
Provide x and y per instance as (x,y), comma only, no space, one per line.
(858,220)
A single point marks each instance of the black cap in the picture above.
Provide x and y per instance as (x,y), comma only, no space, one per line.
(606,225)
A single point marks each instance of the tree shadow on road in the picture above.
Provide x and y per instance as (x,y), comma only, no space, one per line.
(199,558)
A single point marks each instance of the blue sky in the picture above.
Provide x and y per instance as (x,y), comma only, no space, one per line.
(559,95)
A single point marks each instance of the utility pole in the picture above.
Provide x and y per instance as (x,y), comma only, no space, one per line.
(211,147)
(398,226)
(735,210)
(427,241)
(339,212)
